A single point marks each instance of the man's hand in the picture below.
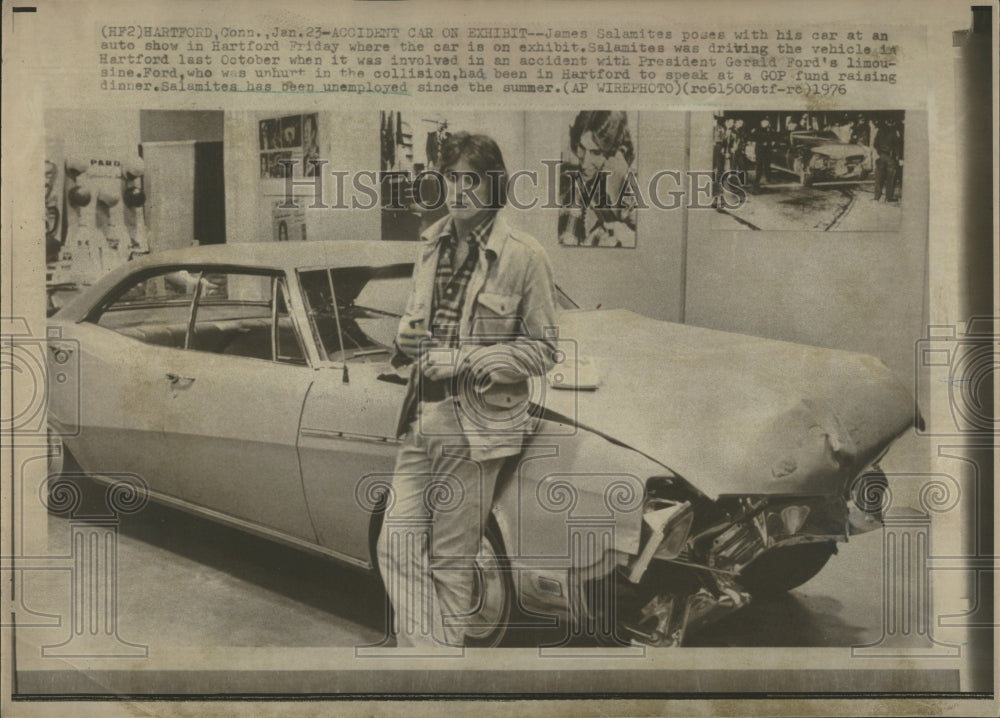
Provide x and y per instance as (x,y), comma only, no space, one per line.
(437,372)
(410,336)
(598,237)
(485,365)
(438,364)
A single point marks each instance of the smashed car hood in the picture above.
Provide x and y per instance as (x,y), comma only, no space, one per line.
(839,152)
(732,413)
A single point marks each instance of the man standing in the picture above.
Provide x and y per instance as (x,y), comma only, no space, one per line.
(763,139)
(718,155)
(889,145)
(739,147)
(861,133)
(485,293)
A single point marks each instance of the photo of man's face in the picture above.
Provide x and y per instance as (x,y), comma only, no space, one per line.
(591,157)
(468,192)
(598,158)
(291,131)
(308,131)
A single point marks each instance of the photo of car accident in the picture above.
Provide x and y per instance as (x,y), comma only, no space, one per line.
(817,171)
(444,427)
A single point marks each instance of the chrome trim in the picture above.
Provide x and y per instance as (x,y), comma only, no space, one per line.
(346,436)
(249,527)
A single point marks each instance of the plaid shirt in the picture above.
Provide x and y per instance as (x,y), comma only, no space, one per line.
(450,284)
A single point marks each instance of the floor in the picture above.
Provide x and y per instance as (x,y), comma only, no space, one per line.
(188,588)
(835,206)
(186,581)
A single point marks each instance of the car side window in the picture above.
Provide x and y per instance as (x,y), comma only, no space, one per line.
(222,312)
(354,311)
(148,307)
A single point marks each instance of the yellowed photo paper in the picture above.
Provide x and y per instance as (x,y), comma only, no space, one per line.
(571,358)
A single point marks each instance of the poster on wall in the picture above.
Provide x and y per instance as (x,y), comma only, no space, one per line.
(289,141)
(597,184)
(822,171)
(410,145)
(288,223)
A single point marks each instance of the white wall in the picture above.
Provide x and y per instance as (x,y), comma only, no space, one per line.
(348,140)
(646,279)
(112,131)
(861,291)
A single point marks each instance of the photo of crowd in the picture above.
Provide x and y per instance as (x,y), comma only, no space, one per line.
(809,169)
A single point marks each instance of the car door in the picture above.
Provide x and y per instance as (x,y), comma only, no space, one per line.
(236,394)
(347,449)
(123,394)
(347,439)
(126,348)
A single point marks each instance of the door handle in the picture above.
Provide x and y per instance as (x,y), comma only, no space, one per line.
(180,382)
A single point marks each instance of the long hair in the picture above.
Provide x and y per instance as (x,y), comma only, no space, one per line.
(609,129)
(484,156)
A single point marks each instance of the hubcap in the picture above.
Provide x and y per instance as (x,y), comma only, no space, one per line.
(489,596)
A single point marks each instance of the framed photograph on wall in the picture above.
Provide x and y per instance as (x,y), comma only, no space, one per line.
(597,180)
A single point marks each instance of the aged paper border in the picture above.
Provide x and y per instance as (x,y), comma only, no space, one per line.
(35,80)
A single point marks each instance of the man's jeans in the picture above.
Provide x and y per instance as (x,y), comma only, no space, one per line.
(433,528)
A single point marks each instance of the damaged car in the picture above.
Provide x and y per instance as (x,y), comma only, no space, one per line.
(815,156)
(673,473)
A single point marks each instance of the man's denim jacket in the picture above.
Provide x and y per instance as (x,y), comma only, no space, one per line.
(510,307)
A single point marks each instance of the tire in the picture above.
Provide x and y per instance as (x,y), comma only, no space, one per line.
(785,568)
(493,593)
(491,622)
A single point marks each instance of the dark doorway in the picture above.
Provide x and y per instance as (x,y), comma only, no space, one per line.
(209,193)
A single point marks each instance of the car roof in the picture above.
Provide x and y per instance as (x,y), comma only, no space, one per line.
(275,256)
(288,255)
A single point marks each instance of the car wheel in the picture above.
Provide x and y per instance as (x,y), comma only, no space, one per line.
(493,593)
(784,568)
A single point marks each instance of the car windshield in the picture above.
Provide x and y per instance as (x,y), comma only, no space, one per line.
(369,303)
(362,321)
